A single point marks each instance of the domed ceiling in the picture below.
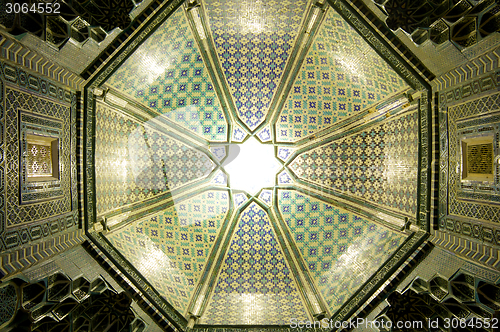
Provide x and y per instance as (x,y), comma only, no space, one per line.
(254,162)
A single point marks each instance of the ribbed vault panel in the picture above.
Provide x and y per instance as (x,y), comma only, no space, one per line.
(134,162)
(167,74)
(255,285)
(379,164)
(341,76)
(253,40)
(171,248)
(341,249)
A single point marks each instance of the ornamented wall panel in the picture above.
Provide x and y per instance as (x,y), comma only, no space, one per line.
(378,164)
(135,162)
(171,248)
(167,74)
(473,118)
(32,210)
(255,285)
(253,52)
(341,76)
(341,249)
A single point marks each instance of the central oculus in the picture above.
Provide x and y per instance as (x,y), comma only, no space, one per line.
(251,166)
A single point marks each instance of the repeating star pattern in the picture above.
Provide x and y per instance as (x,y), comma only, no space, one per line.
(252,282)
(255,276)
(134,163)
(378,164)
(253,53)
(171,248)
(341,249)
(167,74)
(341,76)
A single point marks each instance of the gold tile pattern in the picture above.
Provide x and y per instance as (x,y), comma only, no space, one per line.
(255,285)
(171,248)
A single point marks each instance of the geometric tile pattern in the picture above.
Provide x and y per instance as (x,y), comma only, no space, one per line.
(284,178)
(220,178)
(239,199)
(21,224)
(265,134)
(253,53)
(134,163)
(9,302)
(284,153)
(341,76)
(255,285)
(167,74)
(340,249)
(458,202)
(219,152)
(171,247)
(238,134)
(266,196)
(16,101)
(378,164)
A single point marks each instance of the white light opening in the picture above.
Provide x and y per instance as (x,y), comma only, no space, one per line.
(251,166)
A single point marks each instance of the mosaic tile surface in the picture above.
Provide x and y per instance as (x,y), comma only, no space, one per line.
(17,100)
(255,285)
(459,201)
(167,74)
(341,76)
(253,40)
(378,164)
(341,249)
(239,199)
(171,248)
(133,163)
(238,134)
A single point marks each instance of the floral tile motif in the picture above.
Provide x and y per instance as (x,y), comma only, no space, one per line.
(239,199)
(167,74)
(265,134)
(219,152)
(239,134)
(253,52)
(220,179)
(133,163)
(284,178)
(255,285)
(171,248)
(266,196)
(341,76)
(341,249)
(379,164)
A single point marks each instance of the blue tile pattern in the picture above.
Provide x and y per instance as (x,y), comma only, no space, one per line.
(133,163)
(239,134)
(266,196)
(167,74)
(171,248)
(219,152)
(265,134)
(255,285)
(341,249)
(379,164)
(220,179)
(284,178)
(253,41)
(284,153)
(341,76)
(239,199)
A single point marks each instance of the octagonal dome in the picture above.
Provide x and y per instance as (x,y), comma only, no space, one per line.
(253,163)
